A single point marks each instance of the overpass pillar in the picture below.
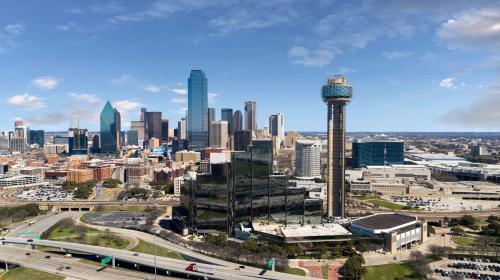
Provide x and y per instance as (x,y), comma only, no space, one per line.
(6,266)
(113,262)
(33,246)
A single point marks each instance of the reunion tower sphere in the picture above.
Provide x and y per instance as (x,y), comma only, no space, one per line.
(336,89)
(336,93)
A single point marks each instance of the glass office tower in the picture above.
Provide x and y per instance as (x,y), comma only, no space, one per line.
(109,129)
(197,110)
(37,137)
(226,114)
(377,152)
(241,192)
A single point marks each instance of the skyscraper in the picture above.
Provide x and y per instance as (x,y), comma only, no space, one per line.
(242,138)
(109,134)
(138,126)
(197,121)
(37,137)
(237,121)
(226,114)
(78,141)
(181,129)
(164,130)
(118,122)
(336,93)
(250,115)
(211,116)
(219,137)
(277,126)
(152,125)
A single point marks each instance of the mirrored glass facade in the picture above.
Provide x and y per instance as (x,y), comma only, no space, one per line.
(241,192)
(197,110)
(109,129)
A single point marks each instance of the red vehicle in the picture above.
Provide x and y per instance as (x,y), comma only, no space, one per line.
(201,269)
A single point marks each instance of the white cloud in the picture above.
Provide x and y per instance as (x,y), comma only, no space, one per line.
(123,79)
(475,29)
(180,111)
(179,90)
(14,28)
(448,83)
(126,105)
(179,100)
(46,82)
(85,97)
(396,54)
(68,26)
(152,88)
(26,101)
(304,56)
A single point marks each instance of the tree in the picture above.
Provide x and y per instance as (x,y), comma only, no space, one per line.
(437,250)
(457,230)
(467,221)
(419,263)
(353,267)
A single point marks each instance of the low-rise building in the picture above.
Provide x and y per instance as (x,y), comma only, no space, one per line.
(80,175)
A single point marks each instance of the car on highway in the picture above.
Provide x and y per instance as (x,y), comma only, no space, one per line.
(68,267)
(47,257)
(135,254)
(3,238)
(27,254)
(68,256)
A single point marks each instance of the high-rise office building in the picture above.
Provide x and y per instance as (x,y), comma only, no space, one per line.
(4,140)
(164,130)
(22,132)
(132,137)
(37,137)
(182,129)
(18,123)
(109,133)
(477,150)
(226,114)
(291,137)
(138,126)
(197,121)
(307,158)
(211,116)
(95,144)
(219,137)
(17,144)
(77,141)
(230,196)
(277,126)
(377,152)
(152,125)
(119,134)
(336,93)
(237,121)
(242,138)
(250,115)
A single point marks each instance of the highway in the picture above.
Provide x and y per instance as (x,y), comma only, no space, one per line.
(171,265)
(78,269)
(42,224)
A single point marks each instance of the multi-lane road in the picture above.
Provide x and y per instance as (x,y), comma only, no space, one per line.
(173,266)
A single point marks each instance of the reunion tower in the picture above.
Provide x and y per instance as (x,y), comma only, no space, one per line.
(336,93)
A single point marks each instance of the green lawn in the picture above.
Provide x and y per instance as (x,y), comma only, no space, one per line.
(380,202)
(294,270)
(464,241)
(390,272)
(24,273)
(90,236)
(324,270)
(66,230)
(148,248)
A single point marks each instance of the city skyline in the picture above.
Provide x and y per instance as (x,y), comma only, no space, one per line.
(438,67)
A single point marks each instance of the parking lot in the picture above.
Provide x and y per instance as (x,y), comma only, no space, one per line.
(468,268)
(53,193)
(120,219)
(443,203)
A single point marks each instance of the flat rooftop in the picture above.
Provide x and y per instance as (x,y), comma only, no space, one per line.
(314,230)
(384,221)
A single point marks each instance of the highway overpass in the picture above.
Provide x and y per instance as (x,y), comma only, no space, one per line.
(166,266)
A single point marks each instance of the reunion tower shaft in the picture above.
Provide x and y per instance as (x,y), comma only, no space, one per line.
(336,93)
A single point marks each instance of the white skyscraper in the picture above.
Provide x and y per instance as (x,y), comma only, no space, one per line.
(307,158)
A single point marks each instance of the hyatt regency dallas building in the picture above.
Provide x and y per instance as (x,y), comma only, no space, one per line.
(235,194)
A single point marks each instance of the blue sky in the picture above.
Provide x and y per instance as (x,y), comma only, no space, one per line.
(414,65)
